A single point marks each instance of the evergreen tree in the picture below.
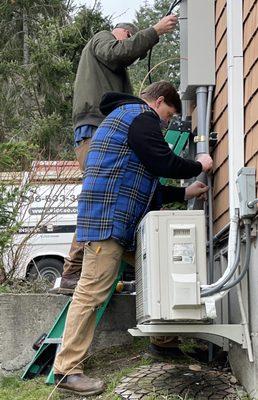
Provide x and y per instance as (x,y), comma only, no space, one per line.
(40,46)
(165,50)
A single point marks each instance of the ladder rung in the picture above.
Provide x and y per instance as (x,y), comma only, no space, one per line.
(53,340)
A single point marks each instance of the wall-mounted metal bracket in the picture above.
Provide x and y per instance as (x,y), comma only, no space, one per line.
(200,138)
(215,333)
(213,139)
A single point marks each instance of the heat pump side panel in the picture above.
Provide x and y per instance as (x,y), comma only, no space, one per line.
(147,270)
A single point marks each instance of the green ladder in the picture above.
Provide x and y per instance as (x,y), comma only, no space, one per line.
(44,357)
(177,137)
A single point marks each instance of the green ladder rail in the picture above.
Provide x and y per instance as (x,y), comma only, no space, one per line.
(177,137)
(43,359)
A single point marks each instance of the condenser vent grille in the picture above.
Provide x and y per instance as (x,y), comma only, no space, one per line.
(182,232)
(138,278)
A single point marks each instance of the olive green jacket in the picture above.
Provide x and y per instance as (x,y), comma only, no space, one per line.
(103,68)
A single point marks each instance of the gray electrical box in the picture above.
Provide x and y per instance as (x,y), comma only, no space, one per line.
(197,45)
(246,185)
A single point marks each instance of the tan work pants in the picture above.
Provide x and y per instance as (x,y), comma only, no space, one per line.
(99,270)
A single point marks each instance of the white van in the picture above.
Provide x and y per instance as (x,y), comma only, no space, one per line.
(47,215)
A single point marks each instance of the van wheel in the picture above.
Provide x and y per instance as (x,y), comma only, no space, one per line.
(47,268)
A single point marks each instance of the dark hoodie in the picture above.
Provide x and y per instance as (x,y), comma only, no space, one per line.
(146,139)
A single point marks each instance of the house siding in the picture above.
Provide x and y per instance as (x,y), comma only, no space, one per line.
(220,121)
(250,16)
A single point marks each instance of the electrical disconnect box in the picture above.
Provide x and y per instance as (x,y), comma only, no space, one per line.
(246,185)
(197,45)
(170,266)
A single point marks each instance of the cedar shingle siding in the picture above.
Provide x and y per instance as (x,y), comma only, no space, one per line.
(220,121)
(251,82)
(220,111)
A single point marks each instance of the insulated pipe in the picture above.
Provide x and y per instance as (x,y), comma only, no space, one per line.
(232,241)
(222,292)
(221,286)
(247,258)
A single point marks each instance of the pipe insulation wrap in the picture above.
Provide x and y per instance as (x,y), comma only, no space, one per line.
(217,288)
(232,244)
(227,287)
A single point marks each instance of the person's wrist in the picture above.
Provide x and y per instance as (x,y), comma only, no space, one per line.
(158,30)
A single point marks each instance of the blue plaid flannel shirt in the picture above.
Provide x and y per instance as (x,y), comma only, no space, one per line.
(117,189)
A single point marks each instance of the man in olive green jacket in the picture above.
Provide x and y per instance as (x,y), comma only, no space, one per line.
(103,68)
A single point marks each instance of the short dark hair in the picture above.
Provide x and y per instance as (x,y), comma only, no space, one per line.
(165,89)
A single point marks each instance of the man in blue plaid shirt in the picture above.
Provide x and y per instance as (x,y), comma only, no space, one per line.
(127,156)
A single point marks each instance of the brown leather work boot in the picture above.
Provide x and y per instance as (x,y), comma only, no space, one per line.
(79,384)
(66,285)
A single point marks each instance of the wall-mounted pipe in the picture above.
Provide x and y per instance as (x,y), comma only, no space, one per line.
(201,100)
(209,182)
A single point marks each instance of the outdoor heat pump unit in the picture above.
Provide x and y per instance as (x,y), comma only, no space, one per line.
(170,267)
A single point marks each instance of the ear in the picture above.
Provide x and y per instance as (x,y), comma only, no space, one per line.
(159,101)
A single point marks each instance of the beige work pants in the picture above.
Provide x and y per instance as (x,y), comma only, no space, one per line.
(99,270)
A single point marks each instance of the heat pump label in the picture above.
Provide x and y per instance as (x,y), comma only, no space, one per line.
(183,253)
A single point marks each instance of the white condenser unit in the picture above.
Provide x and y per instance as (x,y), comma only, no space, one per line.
(170,267)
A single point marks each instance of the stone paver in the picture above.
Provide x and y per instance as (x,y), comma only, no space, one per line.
(171,379)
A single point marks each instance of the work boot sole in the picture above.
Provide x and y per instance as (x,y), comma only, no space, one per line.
(88,393)
(61,291)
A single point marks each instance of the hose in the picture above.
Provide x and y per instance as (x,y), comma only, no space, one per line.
(171,8)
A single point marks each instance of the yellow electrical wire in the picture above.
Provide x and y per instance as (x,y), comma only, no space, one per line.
(157,65)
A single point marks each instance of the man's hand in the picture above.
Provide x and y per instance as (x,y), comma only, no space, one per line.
(196,189)
(206,161)
(166,24)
